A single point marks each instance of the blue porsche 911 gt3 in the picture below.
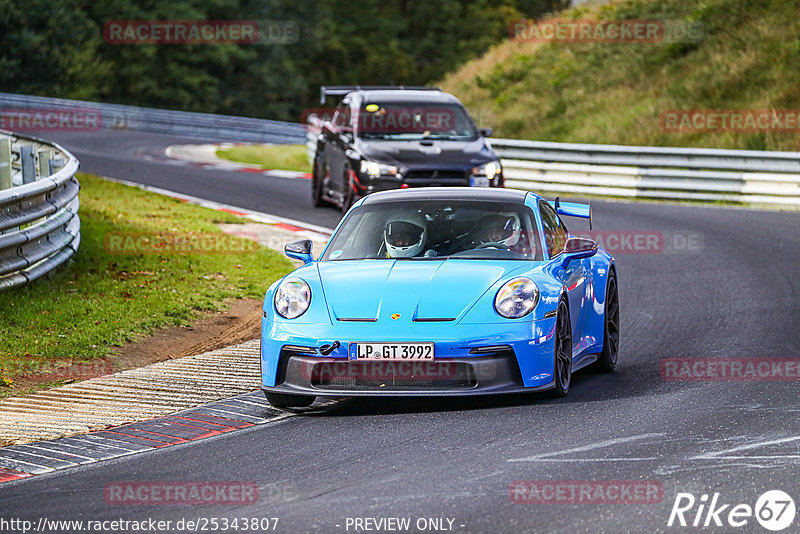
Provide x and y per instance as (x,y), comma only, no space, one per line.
(441,291)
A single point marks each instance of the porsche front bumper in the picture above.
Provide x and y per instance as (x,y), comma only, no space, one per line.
(502,359)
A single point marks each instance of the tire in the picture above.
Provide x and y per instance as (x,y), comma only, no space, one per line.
(562,348)
(607,359)
(349,196)
(316,186)
(286,400)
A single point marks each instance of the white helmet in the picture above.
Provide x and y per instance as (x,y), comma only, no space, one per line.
(500,229)
(405,235)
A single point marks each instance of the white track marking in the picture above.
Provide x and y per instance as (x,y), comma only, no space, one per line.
(725,454)
(547,457)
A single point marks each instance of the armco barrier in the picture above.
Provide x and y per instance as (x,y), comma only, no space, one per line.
(652,172)
(639,171)
(181,123)
(39,224)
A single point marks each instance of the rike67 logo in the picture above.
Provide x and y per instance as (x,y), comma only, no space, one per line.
(774,510)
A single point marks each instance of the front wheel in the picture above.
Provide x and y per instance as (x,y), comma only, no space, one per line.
(286,400)
(316,185)
(350,194)
(562,368)
(608,357)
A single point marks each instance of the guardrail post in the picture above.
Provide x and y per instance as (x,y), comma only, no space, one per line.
(44,162)
(5,163)
(28,163)
(56,164)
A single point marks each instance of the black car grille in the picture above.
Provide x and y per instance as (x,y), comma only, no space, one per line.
(436,176)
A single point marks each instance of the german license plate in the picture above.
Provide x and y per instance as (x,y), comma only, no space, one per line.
(479,181)
(391,351)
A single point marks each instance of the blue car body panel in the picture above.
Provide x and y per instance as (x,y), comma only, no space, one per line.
(449,302)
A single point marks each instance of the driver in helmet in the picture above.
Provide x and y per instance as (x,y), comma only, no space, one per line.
(499,230)
(503,231)
(405,235)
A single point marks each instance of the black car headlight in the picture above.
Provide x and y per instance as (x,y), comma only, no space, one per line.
(373,169)
(490,170)
(292,298)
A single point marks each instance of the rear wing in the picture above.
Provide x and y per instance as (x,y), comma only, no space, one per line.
(573,209)
(341,90)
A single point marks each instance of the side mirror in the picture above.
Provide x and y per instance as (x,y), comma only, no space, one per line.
(329,128)
(300,250)
(486,132)
(576,248)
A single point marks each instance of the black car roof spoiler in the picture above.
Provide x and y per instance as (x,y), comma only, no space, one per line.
(341,90)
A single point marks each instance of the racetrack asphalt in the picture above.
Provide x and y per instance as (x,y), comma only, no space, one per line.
(723,285)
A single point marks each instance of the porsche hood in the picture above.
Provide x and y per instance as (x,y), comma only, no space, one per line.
(417,290)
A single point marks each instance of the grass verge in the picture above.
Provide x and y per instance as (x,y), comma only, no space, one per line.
(283,157)
(617,93)
(145,261)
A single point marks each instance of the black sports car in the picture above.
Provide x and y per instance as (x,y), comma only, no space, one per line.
(383,138)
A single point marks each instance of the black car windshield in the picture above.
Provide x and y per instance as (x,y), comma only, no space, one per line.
(414,121)
(431,230)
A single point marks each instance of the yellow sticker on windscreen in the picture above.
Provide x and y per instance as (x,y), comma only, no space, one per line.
(372,107)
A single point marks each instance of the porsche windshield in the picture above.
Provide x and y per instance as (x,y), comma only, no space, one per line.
(429,230)
(415,121)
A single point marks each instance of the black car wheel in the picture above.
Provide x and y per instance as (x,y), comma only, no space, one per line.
(563,351)
(608,357)
(349,197)
(316,185)
(286,400)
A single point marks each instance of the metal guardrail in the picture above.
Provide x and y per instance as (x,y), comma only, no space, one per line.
(39,223)
(652,172)
(204,126)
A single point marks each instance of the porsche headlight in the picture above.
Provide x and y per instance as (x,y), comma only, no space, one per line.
(516,298)
(373,169)
(292,298)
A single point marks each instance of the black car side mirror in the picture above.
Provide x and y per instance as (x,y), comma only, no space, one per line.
(486,132)
(329,128)
(576,248)
(300,250)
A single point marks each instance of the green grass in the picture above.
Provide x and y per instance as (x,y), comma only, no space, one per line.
(748,59)
(283,157)
(103,299)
